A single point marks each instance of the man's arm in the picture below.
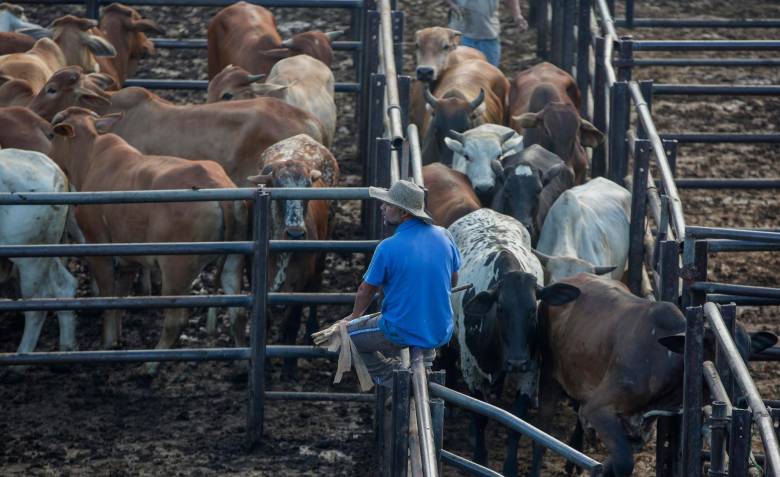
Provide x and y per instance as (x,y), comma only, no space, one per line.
(365,293)
(517,14)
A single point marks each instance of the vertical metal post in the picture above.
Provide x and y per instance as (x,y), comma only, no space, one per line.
(599,161)
(422,401)
(618,127)
(670,146)
(739,442)
(625,58)
(437,416)
(646,87)
(567,38)
(667,446)
(636,234)
(374,128)
(542,29)
(93,9)
(692,395)
(402,379)
(583,55)
(729,315)
(383,158)
(380,427)
(694,270)
(556,36)
(718,426)
(629,13)
(611,7)
(404,92)
(370,63)
(398,39)
(259,278)
(669,266)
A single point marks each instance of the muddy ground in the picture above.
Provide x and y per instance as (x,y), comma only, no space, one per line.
(107,420)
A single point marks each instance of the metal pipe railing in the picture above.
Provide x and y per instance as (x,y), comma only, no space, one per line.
(761,415)
(734,234)
(393,104)
(415,155)
(610,35)
(662,163)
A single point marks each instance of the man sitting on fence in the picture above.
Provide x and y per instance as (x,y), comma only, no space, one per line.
(415,268)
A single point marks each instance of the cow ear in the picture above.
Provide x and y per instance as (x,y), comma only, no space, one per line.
(454,145)
(99,46)
(761,340)
(315,175)
(674,343)
(64,130)
(147,26)
(36,32)
(512,146)
(102,81)
(527,120)
(104,124)
(267,89)
(604,270)
(455,36)
(481,303)
(558,294)
(590,136)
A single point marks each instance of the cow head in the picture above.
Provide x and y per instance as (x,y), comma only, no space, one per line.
(518,195)
(478,152)
(126,29)
(451,112)
(559,128)
(557,268)
(501,322)
(79,46)
(75,130)
(25,130)
(233,83)
(434,46)
(71,87)
(12,19)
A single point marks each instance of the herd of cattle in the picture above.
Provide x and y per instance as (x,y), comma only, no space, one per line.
(537,253)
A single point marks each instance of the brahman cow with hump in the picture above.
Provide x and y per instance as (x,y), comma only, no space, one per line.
(437,49)
(300,81)
(468,94)
(496,320)
(299,162)
(586,230)
(39,277)
(96,161)
(245,35)
(20,128)
(450,195)
(609,351)
(232,133)
(478,153)
(544,107)
(23,75)
(531,181)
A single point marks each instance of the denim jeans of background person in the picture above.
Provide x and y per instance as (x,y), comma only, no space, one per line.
(415,269)
(479,24)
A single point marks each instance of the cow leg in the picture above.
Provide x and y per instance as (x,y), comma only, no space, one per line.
(64,285)
(292,324)
(620,461)
(102,269)
(519,409)
(479,423)
(230,278)
(575,442)
(550,393)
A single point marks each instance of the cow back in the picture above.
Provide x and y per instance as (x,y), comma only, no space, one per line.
(450,195)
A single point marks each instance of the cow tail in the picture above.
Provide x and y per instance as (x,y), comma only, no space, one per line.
(72,232)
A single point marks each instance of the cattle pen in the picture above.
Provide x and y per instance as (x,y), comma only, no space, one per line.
(582,39)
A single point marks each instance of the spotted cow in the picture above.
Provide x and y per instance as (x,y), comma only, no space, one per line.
(496,321)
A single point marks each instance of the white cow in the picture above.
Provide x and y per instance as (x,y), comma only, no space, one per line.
(496,321)
(478,152)
(12,19)
(586,230)
(30,171)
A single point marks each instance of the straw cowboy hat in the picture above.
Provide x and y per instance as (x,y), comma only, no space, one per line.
(406,195)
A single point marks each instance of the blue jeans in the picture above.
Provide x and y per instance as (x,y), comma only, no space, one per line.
(490,48)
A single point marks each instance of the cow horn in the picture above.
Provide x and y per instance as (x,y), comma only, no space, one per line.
(254,78)
(461,138)
(507,136)
(544,258)
(603,270)
(332,35)
(429,98)
(478,100)
(287,43)
(260,179)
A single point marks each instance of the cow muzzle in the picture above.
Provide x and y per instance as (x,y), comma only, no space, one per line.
(426,73)
(295,232)
(522,365)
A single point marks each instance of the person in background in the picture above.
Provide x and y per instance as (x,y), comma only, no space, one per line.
(477,20)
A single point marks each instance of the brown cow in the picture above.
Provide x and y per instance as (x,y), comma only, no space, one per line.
(299,161)
(11,42)
(232,133)
(468,95)
(92,159)
(438,49)
(245,35)
(300,81)
(450,195)
(609,351)
(544,106)
(20,128)
(126,29)
(23,74)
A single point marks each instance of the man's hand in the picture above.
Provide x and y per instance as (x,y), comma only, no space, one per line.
(521,23)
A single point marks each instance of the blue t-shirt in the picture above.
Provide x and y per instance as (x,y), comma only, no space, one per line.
(414,267)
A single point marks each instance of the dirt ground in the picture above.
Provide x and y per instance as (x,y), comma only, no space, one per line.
(191,420)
